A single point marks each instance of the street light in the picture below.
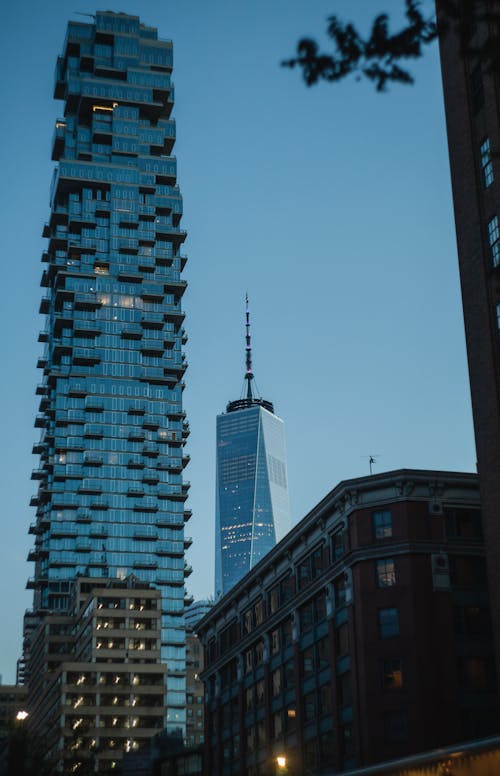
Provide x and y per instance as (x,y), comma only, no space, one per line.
(21,715)
(281,762)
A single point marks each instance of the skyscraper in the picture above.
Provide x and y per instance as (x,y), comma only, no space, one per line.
(111,494)
(472,103)
(252,505)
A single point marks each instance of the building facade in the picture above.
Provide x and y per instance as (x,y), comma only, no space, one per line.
(111,494)
(97,687)
(195,692)
(363,636)
(252,510)
(471,94)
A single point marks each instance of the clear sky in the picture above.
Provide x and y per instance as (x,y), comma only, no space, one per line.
(331,206)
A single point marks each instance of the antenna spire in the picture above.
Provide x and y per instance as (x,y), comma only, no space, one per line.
(248,351)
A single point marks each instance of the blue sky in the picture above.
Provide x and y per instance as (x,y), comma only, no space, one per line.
(331,206)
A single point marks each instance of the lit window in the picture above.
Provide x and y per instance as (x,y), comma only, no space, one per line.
(386,572)
(486,163)
(388,623)
(382,524)
(392,673)
(494,240)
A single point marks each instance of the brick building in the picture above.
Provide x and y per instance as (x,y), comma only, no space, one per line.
(472,102)
(364,635)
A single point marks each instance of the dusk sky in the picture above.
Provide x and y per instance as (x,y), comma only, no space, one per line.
(330,205)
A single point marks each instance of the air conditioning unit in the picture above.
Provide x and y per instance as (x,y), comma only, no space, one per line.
(435,507)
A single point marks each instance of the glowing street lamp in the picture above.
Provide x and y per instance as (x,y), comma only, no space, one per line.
(21,715)
(281,761)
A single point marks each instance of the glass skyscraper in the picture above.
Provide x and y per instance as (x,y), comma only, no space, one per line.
(111,495)
(252,505)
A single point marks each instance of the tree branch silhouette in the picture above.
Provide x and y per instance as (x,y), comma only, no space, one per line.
(382,57)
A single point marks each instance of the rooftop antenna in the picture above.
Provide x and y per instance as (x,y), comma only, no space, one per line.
(372,459)
(248,351)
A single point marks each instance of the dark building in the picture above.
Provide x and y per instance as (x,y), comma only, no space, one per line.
(195,717)
(97,686)
(363,636)
(473,124)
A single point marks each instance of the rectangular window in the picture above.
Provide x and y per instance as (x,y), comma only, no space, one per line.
(308,662)
(486,163)
(306,617)
(342,640)
(309,707)
(382,524)
(388,623)
(386,572)
(337,545)
(463,523)
(344,689)
(259,612)
(395,726)
(276,682)
(275,641)
(392,673)
(494,240)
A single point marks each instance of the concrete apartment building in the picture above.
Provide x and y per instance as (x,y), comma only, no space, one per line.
(97,685)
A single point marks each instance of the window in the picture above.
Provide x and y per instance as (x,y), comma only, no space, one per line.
(476,674)
(386,572)
(395,726)
(486,163)
(309,707)
(259,690)
(308,662)
(468,572)
(342,640)
(277,723)
(494,240)
(259,612)
(463,522)
(276,682)
(323,653)
(275,641)
(306,616)
(337,545)
(392,673)
(382,524)
(344,689)
(325,699)
(388,623)
(472,621)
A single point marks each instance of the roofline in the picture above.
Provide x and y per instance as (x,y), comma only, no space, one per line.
(344,488)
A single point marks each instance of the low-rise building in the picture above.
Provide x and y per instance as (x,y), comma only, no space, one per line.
(363,636)
(97,687)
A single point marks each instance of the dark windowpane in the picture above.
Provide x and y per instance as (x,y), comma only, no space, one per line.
(395,726)
(464,522)
(388,621)
(382,524)
(342,640)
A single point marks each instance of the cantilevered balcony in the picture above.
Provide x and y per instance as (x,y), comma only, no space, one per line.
(58,139)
